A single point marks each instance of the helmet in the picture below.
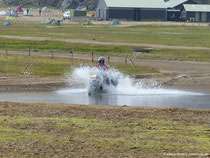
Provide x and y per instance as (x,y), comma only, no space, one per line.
(101,60)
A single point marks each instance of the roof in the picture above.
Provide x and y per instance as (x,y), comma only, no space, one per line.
(136,3)
(197,7)
(174,3)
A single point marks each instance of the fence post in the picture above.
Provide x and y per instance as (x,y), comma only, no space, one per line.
(51,53)
(72,56)
(29,51)
(108,59)
(133,63)
(92,58)
(6,50)
(126,59)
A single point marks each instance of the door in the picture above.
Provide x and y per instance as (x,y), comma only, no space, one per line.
(137,16)
(197,16)
(203,17)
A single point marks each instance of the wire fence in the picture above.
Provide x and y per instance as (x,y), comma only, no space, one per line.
(55,53)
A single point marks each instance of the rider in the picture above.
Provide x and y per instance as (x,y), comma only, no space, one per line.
(101,64)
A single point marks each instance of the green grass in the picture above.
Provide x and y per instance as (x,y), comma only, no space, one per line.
(169,35)
(15,64)
(24,45)
(182,55)
(45,66)
(64,136)
(120,51)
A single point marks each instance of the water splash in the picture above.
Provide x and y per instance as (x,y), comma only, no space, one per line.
(126,85)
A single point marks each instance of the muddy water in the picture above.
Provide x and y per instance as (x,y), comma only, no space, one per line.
(143,97)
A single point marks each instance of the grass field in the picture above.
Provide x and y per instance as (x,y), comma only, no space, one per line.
(23,45)
(168,35)
(120,51)
(45,66)
(81,131)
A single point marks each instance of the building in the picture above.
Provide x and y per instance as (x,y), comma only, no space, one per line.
(136,10)
(196,12)
(178,4)
(153,10)
(174,9)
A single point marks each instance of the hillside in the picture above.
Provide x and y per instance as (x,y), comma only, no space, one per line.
(91,4)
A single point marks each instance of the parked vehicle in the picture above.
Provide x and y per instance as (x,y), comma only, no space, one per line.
(66,15)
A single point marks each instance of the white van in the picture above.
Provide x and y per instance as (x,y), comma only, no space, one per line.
(66,15)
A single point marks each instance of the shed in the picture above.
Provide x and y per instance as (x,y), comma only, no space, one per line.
(136,10)
(196,12)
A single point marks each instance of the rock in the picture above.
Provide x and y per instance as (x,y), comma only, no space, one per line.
(23,127)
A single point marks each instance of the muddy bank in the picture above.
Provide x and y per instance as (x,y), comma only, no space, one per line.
(52,83)
(106,112)
(32,83)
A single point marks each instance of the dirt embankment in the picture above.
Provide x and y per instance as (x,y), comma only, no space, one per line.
(106,112)
(32,83)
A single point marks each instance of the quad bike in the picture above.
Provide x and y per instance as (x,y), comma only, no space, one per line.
(100,81)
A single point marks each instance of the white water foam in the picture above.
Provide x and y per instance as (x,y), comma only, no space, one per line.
(72,91)
(126,85)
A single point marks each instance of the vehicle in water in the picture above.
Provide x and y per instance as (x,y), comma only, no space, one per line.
(101,80)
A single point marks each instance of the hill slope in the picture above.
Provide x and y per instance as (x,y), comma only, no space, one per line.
(52,3)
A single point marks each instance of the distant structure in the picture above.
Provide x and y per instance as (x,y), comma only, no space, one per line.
(196,12)
(153,10)
(136,10)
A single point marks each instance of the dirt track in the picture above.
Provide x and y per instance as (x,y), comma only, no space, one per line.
(83,41)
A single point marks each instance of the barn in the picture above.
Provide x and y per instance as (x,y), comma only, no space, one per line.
(196,12)
(135,10)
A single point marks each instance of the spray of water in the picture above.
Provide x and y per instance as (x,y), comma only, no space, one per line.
(126,85)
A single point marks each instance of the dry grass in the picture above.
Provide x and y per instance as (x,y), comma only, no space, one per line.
(59,130)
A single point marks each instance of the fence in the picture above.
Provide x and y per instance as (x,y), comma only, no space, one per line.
(53,53)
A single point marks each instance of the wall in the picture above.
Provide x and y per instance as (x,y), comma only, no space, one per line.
(208,16)
(118,13)
(153,14)
(130,14)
